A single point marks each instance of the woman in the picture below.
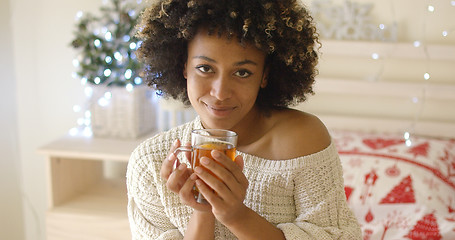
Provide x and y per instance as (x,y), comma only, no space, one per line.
(240,64)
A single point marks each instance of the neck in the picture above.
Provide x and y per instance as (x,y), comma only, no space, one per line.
(250,128)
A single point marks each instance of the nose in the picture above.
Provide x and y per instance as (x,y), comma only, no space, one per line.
(221,88)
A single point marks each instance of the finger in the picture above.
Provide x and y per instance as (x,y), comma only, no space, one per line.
(219,184)
(187,196)
(168,164)
(234,167)
(178,178)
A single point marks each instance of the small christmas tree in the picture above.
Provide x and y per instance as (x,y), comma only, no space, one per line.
(425,229)
(402,193)
(107,44)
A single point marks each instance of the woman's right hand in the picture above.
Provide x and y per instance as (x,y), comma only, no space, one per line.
(180,179)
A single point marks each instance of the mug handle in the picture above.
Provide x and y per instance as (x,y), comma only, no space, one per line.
(181,149)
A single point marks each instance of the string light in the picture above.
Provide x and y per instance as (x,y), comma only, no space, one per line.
(77,108)
(129,87)
(128,73)
(108,36)
(407,138)
(375,56)
(107,72)
(426,76)
(430,8)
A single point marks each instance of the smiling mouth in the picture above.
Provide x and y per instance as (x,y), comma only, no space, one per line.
(220,111)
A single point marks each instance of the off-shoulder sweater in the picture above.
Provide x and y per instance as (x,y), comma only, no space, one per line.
(304,196)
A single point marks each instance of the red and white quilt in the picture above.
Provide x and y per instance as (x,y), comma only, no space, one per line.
(398,191)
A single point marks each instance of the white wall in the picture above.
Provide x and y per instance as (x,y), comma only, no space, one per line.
(38,92)
(11,220)
(46,92)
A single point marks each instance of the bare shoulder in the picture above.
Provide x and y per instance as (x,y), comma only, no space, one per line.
(297,133)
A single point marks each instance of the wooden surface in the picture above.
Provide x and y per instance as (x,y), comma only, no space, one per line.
(83,202)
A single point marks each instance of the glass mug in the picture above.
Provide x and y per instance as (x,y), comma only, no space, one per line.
(203,141)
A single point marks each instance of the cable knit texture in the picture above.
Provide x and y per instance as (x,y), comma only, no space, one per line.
(304,196)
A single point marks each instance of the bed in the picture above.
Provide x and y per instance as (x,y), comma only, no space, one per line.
(399,172)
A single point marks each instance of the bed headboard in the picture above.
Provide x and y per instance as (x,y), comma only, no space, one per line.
(387,94)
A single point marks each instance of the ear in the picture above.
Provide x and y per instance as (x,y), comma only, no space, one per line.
(184,71)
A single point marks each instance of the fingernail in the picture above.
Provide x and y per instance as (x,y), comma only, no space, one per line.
(170,158)
(182,167)
(216,153)
(198,170)
(176,142)
(205,161)
(193,177)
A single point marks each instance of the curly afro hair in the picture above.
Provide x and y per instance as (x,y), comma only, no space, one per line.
(283,29)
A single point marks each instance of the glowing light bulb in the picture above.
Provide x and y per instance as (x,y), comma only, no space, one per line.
(406,135)
(108,59)
(77,108)
(79,15)
(138,80)
(108,95)
(75,63)
(126,38)
(87,132)
(107,72)
(108,36)
(97,43)
(118,56)
(88,91)
(88,114)
(408,142)
(415,99)
(131,13)
(103,102)
(97,80)
(84,81)
(452,3)
(133,46)
(445,33)
(381,26)
(74,75)
(416,43)
(430,8)
(73,132)
(375,56)
(80,121)
(426,76)
(128,73)
(129,87)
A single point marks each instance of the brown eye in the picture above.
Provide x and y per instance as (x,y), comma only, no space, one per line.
(243,73)
(204,68)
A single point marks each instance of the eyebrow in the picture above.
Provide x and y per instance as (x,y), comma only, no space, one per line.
(246,61)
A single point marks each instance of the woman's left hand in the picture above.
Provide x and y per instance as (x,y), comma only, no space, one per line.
(229,186)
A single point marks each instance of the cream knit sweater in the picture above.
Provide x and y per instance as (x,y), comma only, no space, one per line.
(304,196)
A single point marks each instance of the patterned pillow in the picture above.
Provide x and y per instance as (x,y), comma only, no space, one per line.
(399,191)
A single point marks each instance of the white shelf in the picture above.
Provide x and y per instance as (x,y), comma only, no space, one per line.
(83,202)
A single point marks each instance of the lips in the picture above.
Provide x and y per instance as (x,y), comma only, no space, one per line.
(219,110)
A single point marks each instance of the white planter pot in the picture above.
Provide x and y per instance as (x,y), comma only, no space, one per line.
(118,113)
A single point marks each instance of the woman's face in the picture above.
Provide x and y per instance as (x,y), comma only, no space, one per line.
(223,80)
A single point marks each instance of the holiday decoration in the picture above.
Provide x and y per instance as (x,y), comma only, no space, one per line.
(106,45)
(118,103)
(425,229)
(350,21)
(402,193)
